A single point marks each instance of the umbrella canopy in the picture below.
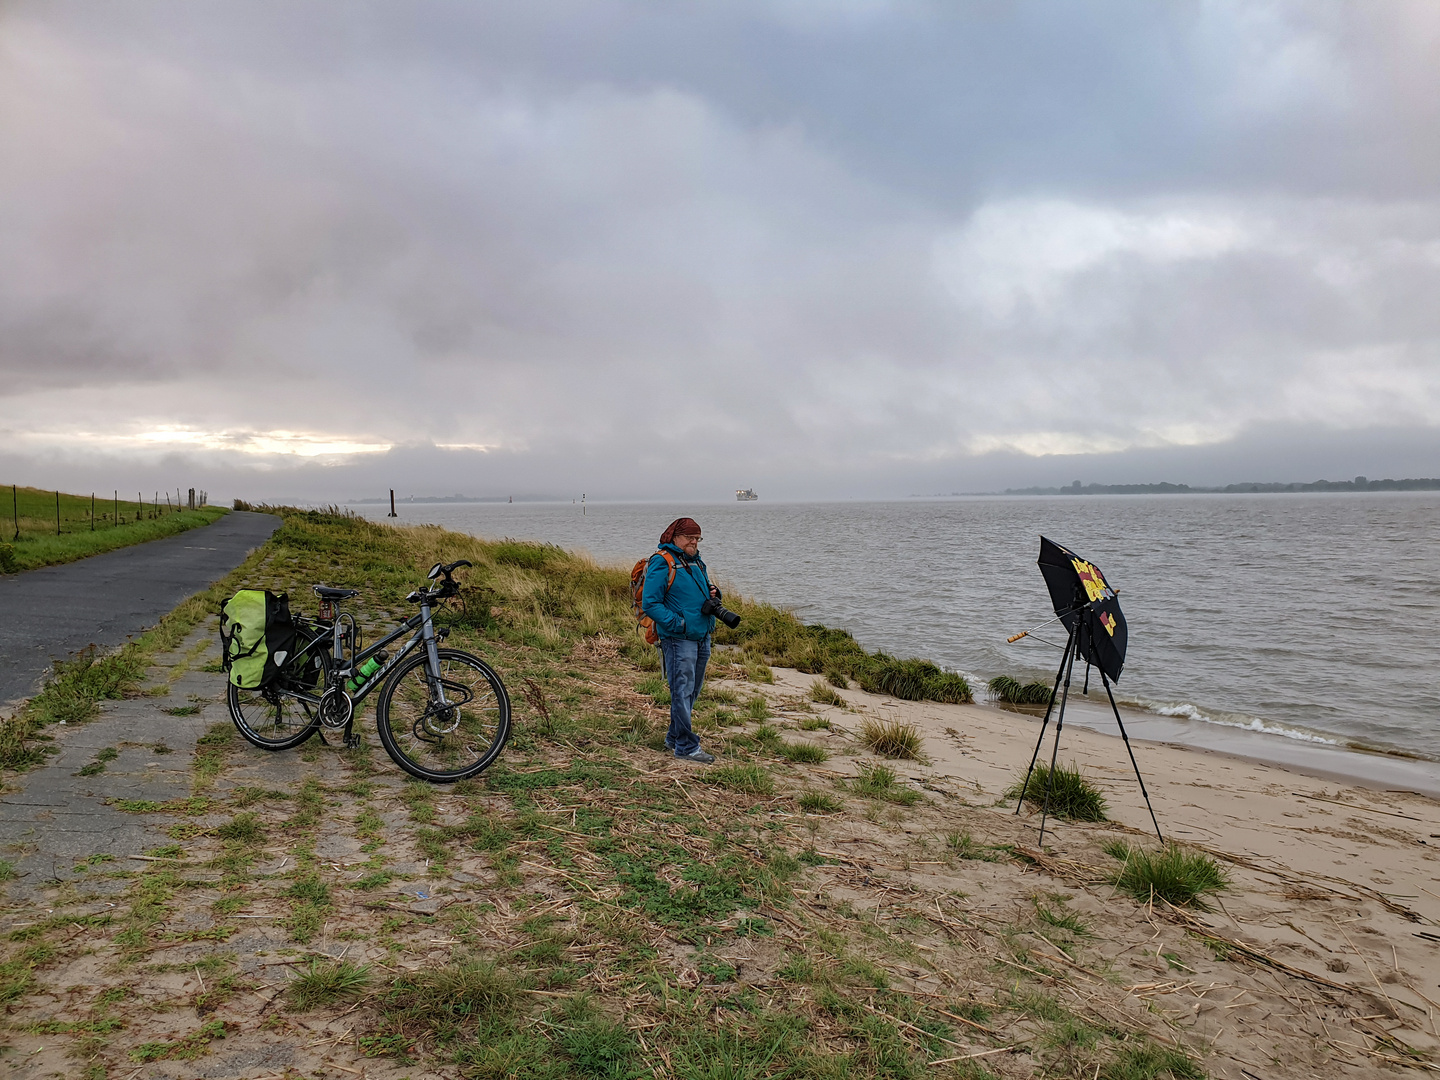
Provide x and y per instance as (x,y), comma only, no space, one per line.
(1087,605)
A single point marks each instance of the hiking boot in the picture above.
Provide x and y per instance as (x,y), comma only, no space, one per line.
(698,756)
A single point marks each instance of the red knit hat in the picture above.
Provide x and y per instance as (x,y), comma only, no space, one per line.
(680,526)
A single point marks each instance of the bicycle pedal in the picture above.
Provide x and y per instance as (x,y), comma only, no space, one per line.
(352,742)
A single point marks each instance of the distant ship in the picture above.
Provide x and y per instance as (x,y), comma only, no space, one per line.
(746,495)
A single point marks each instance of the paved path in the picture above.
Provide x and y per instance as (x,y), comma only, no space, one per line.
(47,614)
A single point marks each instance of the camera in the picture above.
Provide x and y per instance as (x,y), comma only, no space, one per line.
(714,607)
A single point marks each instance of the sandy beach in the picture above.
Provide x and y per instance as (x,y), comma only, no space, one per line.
(1338,882)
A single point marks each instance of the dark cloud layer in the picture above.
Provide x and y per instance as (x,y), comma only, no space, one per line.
(639,250)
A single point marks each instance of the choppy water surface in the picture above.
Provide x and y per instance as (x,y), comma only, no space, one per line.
(1307,616)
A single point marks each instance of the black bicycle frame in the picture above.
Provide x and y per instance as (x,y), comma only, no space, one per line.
(424,634)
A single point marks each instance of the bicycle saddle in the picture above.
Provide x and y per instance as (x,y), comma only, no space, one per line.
(325,592)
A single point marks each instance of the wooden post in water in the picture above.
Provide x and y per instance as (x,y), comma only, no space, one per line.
(392,503)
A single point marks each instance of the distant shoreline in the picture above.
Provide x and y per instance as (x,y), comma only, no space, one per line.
(1249,487)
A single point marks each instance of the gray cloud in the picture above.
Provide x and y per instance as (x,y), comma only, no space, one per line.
(880,247)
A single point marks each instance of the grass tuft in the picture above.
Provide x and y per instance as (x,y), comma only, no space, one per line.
(964,846)
(1071,794)
(818,802)
(1013,692)
(882,782)
(1150,1062)
(749,779)
(915,680)
(803,753)
(823,693)
(1177,875)
(322,983)
(890,738)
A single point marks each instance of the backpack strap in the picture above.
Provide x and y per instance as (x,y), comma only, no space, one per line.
(670,562)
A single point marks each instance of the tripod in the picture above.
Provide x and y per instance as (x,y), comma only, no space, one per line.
(1067,664)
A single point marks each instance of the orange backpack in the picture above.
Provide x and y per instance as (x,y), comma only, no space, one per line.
(637,589)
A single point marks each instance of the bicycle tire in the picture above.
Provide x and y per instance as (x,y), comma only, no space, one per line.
(477,734)
(274,717)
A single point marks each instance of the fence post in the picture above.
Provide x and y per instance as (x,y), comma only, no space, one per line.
(57,513)
(15,505)
(117,508)
(92,511)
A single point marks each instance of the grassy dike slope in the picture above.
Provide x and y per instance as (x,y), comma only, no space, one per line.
(39,545)
(589,907)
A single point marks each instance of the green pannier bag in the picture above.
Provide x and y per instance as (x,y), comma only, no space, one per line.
(257,636)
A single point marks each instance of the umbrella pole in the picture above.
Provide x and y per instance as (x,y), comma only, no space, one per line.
(1106,680)
(1049,708)
(1059,726)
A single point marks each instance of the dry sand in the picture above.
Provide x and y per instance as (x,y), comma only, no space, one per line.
(1332,879)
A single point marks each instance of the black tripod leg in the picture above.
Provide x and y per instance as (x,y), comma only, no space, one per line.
(1055,754)
(1086,689)
(1145,794)
(1054,692)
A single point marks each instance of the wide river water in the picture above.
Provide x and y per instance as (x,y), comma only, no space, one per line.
(1307,620)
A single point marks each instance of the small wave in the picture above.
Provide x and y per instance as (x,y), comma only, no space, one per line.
(1190,712)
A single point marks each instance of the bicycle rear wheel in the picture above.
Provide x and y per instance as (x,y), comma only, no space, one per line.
(445,742)
(283,714)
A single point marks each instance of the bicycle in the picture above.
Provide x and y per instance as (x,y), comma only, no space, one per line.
(443,715)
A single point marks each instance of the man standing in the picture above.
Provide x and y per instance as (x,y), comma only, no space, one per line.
(675,591)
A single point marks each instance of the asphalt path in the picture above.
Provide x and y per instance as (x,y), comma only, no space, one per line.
(51,613)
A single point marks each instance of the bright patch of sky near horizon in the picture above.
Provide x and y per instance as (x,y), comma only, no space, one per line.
(860,248)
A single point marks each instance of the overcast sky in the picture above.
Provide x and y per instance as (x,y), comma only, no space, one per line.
(667,249)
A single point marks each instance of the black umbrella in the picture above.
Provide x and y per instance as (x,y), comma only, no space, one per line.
(1087,605)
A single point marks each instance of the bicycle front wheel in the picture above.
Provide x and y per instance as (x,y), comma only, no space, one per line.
(444,730)
(285,713)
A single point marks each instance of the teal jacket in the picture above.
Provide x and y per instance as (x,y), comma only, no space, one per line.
(676,611)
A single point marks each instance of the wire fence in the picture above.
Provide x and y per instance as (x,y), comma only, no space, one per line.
(35,513)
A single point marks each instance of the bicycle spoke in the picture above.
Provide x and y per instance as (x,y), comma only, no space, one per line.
(444,738)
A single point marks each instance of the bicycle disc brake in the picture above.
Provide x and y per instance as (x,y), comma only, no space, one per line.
(336,708)
(439,720)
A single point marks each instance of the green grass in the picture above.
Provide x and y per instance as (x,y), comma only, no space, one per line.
(1013,692)
(823,693)
(964,846)
(890,738)
(103,757)
(882,782)
(818,802)
(749,779)
(39,545)
(322,983)
(1071,795)
(803,753)
(1146,1061)
(915,680)
(1177,875)
(192,1046)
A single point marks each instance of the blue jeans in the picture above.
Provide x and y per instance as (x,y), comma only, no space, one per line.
(685,671)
